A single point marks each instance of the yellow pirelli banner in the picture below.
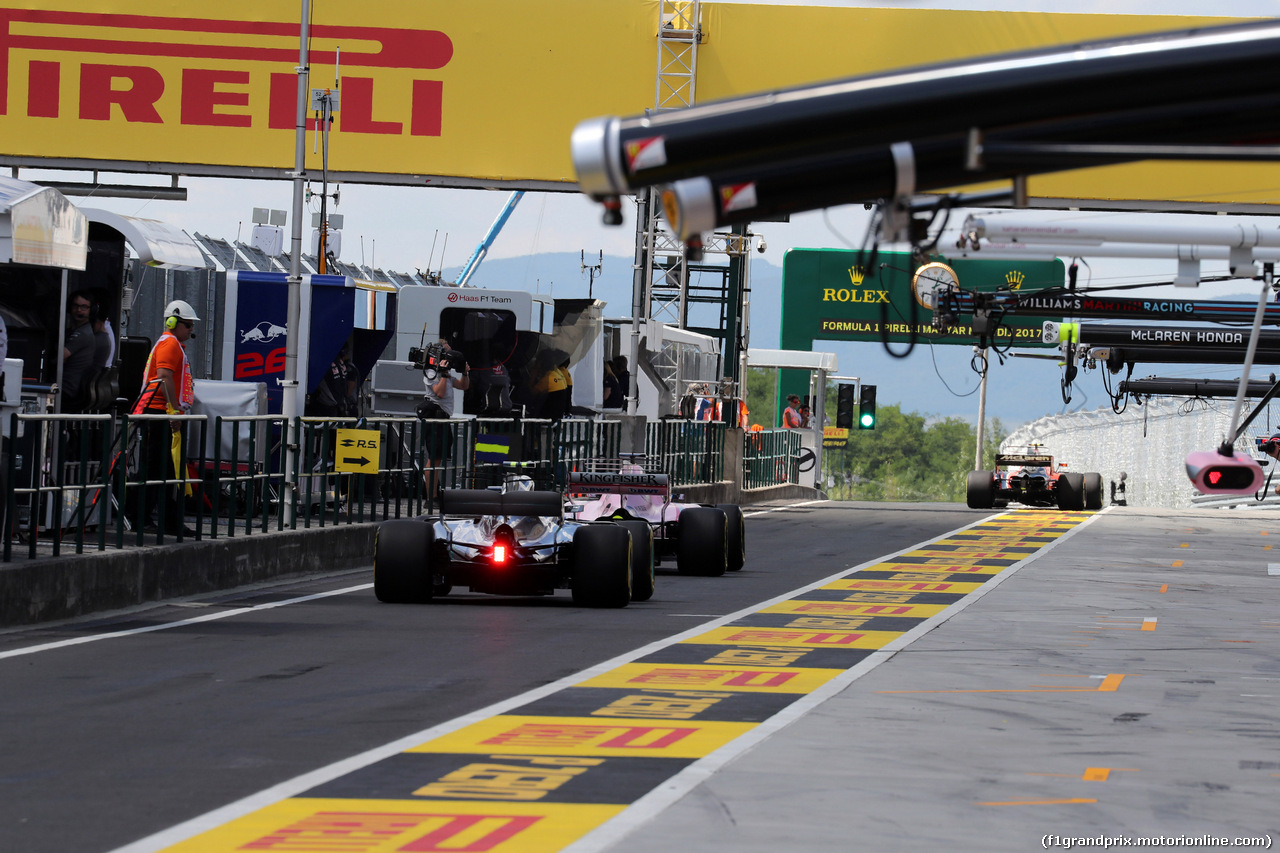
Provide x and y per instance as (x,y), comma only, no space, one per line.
(484,92)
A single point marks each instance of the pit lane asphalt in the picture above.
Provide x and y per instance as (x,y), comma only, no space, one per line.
(1161,624)
(109,741)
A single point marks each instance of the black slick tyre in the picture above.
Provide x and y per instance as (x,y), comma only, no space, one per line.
(642,575)
(736,536)
(1092,491)
(702,546)
(1070,491)
(602,565)
(402,562)
(980,490)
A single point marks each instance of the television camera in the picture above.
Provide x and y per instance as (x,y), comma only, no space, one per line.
(434,359)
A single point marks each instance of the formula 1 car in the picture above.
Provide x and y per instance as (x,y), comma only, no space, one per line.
(1033,479)
(704,539)
(513,541)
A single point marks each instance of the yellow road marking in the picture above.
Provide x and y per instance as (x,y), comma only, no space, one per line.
(1109,685)
(1164,588)
(849,608)
(793,638)
(1177,564)
(1072,801)
(359,824)
(744,679)
(1100,774)
(1091,774)
(903,586)
(1149,624)
(519,735)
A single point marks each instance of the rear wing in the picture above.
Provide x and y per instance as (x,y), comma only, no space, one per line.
(1024,459)
(618,483)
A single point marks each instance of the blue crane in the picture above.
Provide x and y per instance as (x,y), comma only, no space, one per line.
(473,263)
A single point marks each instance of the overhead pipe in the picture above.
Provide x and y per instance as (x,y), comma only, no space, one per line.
(1162,387)
(1115,357)
(776,187)
(615,156)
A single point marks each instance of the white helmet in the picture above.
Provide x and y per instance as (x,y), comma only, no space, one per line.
(181,310)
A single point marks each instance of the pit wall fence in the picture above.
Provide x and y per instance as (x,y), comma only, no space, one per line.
(78,483)
(1149,443)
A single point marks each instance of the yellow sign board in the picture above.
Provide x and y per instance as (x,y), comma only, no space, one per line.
(835,437)
(356,451)
(484,93)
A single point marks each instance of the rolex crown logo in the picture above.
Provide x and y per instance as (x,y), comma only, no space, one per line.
(856,275)
(1014,279)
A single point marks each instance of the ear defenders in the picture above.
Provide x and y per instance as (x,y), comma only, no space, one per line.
(171,323)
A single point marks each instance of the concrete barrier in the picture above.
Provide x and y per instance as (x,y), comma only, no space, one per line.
(48,589)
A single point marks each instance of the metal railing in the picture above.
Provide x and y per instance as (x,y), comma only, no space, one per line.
(689,452)
(80,482)
(769,458)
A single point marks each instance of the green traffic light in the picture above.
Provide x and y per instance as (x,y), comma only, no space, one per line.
(868,420)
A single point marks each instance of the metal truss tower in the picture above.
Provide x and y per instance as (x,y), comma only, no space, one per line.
(664,298)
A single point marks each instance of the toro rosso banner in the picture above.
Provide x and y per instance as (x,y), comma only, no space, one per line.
(482,93)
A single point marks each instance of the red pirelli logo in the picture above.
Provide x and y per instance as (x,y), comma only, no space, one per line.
(73,45)
(569,736)
(366,832)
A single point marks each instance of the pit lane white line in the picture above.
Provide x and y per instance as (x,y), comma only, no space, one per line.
(649,805)
(238,611)
(781,508)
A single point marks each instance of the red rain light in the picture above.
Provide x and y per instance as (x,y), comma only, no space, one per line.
(499,553)
(1214,477)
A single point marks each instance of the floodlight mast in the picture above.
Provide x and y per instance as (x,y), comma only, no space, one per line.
(289,385)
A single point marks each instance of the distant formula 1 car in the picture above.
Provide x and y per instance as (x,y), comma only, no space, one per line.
(511,542)
(1033,479)
(704,539)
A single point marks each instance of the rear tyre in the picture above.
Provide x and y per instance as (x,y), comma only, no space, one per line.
(402,562)
(980,490)
(602,565)
(1070,490)
(736,535)
(642,576)
(702,546)
(1093,491)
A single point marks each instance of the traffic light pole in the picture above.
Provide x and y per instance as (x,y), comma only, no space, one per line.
(815,422)
(982,408)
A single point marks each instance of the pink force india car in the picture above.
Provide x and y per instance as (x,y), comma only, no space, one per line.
(704,539)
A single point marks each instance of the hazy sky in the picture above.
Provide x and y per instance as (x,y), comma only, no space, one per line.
(405,228)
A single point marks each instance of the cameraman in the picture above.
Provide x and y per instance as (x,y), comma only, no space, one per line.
(439,406)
